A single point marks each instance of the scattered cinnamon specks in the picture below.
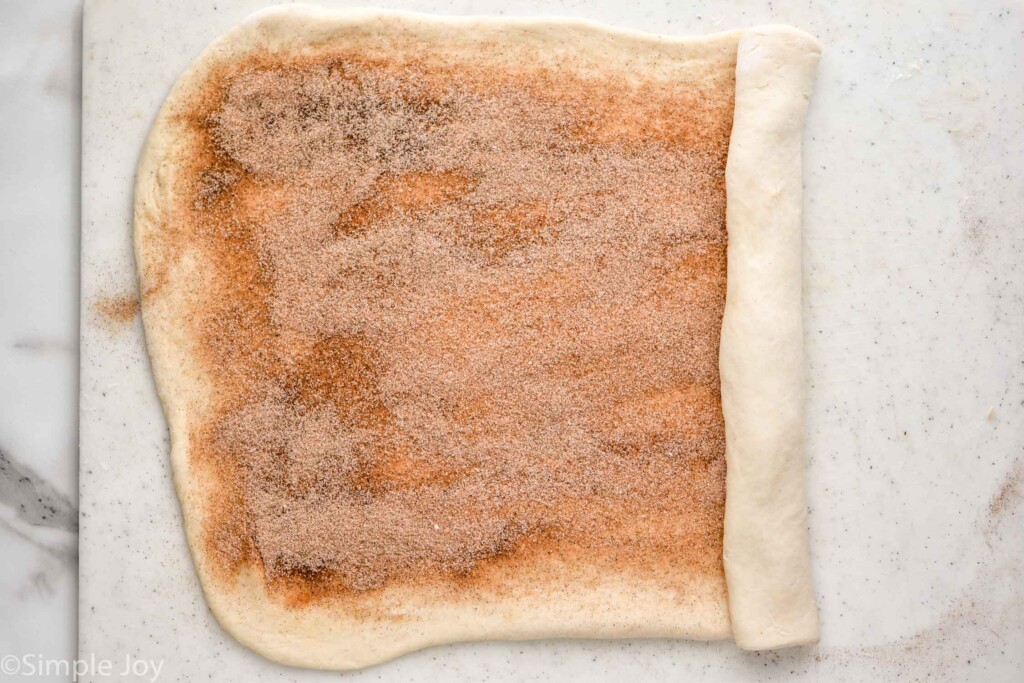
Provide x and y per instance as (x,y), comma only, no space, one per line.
(119,310)
(1010,492)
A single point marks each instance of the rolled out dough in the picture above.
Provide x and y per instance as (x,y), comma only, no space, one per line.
(769,601)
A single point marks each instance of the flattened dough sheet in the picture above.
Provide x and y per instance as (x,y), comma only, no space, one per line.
(230,237)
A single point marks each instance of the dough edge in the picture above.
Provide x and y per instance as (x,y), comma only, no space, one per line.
(328,639)
(766,548)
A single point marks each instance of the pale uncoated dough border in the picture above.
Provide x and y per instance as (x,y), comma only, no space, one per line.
(771,601)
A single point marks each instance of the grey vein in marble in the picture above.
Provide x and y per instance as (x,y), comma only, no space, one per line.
(34,510)
(35,501)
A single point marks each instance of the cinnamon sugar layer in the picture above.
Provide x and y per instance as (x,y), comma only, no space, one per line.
(456,312)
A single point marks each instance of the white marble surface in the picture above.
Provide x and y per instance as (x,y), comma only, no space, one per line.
(914,286)
(40,45)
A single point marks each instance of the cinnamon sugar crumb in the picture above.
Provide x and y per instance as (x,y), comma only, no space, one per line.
(456,308)
(117,309)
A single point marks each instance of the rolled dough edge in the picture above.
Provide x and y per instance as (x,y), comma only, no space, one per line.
(766,550)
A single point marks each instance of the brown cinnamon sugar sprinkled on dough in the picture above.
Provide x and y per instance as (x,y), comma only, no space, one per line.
(457,313)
